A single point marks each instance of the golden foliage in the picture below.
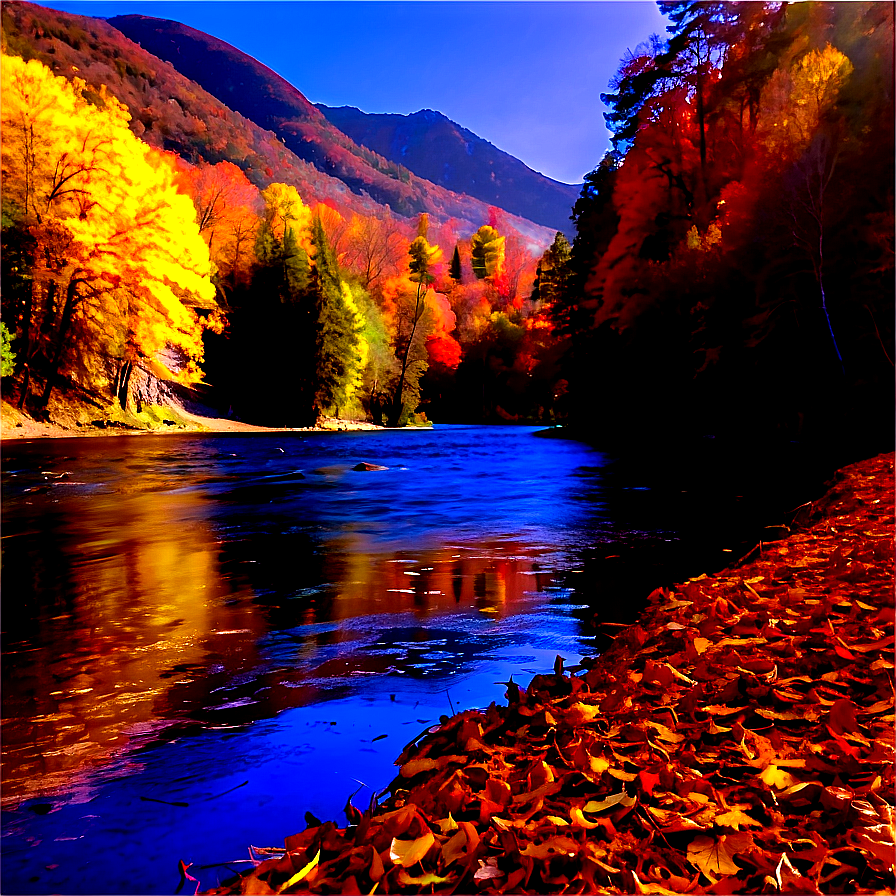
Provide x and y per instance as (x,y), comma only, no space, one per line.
(120,241)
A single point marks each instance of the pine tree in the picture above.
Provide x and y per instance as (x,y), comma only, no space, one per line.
(337,345)
(486,252)
(455,271)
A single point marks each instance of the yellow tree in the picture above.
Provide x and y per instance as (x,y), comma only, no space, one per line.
(121,263)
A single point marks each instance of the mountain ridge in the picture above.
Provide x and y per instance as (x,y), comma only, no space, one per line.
(259,93)
(446,153)
(174,113)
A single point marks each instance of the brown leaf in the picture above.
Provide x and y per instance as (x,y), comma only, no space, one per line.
(842,716)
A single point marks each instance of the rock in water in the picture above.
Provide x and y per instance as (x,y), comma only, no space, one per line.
(366,467)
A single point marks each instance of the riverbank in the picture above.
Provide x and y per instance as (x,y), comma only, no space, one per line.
(737,738)
(16,425)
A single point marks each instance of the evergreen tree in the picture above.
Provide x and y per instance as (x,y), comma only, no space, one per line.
(337,344)
(486,252)
(552,272)
(455,271)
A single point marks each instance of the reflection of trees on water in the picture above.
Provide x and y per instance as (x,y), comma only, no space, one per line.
(150,605)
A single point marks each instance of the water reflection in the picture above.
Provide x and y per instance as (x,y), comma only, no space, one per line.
(152,583)
(203,637)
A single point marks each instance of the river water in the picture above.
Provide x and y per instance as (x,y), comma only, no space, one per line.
(204,637)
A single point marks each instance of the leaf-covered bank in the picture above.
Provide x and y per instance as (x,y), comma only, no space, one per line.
(737,738)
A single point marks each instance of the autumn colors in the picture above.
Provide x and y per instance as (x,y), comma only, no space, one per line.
(727,273)
(757,151)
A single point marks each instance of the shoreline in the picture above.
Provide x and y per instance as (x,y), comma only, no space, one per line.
(19,427)
(738,737)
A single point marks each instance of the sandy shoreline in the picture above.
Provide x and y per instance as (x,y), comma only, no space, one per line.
(16,426)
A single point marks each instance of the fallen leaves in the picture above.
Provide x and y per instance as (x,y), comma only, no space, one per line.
(738,738)
(715,855)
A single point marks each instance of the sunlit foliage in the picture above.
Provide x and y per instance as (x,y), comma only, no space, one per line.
(118,261)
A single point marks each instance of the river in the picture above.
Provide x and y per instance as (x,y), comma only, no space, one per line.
(206,636)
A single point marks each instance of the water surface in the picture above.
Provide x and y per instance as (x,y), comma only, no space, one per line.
(204,637)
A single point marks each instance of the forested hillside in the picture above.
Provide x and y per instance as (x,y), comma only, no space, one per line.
(294,265)
(732,271)
(261,95)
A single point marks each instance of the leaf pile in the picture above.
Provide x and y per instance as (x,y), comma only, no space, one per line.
(738,738)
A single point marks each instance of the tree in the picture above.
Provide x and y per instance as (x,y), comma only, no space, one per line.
(7,355)
(552,273)
(373,249)
(120,265)
(455,271)
(227,206)
(487,252)
(409,346)
(340,354)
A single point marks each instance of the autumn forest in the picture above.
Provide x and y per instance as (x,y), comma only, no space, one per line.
(730,268)
(385,418)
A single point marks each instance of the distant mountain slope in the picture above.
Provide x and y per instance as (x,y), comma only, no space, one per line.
(447,154)
(168,111)
(261,95)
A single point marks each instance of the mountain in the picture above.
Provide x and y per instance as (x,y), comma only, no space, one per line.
(171,111)
(261,95)
(442,151)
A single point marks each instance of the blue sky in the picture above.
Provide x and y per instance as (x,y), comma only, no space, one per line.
(526,76)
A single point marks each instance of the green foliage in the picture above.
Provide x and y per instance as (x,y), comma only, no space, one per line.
(7,355)
(381,366)
(553,272)
(337,355)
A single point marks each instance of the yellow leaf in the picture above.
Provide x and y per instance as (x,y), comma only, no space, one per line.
(409,852)
(446,825)
(616,799)
(774,777)
(425,880)
(701,644)
(301,874)
(666,734)
(578,818)
(716,855)
(599,765)
(415,766)
(734,818)
(621,775)
(581,714)
(651,887)
(455,847)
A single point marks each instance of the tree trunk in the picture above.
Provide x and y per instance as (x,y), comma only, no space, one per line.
(397,404)
(124,379)
(71,295)
(26,347)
